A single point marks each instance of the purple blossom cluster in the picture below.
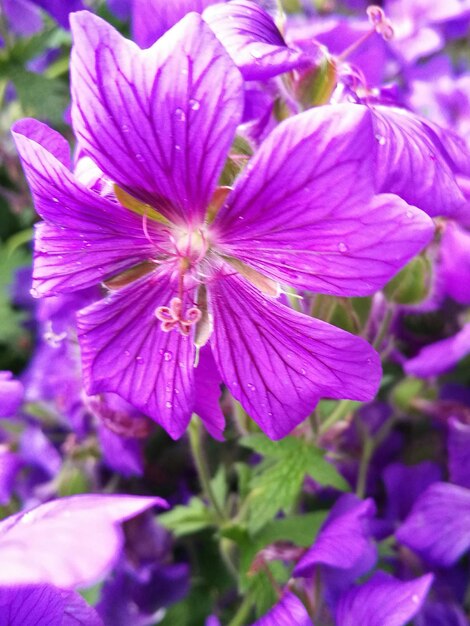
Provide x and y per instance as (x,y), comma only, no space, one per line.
(243,397)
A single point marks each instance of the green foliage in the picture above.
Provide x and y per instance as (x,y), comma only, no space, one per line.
(411,284)
(278,480)
(185,520)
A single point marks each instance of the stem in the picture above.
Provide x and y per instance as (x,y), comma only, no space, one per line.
(195,439)
(341,410)
(383,329)
(244,610)
(367,452)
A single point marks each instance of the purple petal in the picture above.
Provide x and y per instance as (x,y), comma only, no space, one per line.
(121,454)
(10,464)
(440,356)
(11,394)
(458,449)
(383,601)
(344,540)
(303,212)
(438,527)
(207,395)
(278,362)
(413,162)
(151,119)
(86,238)
(23,17)
(417,478)
(287,612)
(60,9)
(454,268)
(252,39)
(125,351)
(152,18)
(67,542)
(44,605)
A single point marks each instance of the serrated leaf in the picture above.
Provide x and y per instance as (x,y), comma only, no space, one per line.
(42,97)
(278,480)
(185,520)
(298,529)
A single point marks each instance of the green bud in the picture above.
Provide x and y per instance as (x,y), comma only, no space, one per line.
(411,284)
(405,392)
(315,86)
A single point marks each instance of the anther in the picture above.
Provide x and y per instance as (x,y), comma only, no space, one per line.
(171,317)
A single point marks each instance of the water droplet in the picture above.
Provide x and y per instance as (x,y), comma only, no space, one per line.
(251,387)
(55,199)
(167,356)
(139,157)
(303,372)
(342,247)
(127,353)
(177,147)
(381,140)
(139,359)
(180,115)
(415,598)
(125,128)
(241,218)
(194,104)
(168,404)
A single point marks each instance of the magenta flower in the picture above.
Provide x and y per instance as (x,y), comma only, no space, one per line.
(188,263)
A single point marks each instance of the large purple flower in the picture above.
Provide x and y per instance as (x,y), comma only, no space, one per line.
(186,263)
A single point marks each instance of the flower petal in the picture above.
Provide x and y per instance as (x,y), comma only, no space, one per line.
(252,39)
(440,356)
(278,362)
(11,394)
(207,384)
(152,18)
(438,527)
(383,601)
(67,542)
(86,238)
(454,268)
(152,120)
(415,163)
(344,540)
(287,612)
(124,350)
(458,449)
(303,211)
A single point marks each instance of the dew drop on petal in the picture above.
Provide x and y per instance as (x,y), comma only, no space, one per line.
(168,404)
(55,199)
(194,104)
(415,598)
(139,359)
(127,353)
(177,147)
(381,140)
(139,157)
(342,247)
(180,115)
(167,355)
(125,128)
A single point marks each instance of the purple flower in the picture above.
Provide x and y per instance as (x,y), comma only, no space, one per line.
(11,394)
(287,612)
(458,449)
(67,542)
(187,263)
(438,527)
(383,601)
(454,267)
(440,356)
(31,605)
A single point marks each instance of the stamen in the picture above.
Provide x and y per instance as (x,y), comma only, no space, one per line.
(171,317)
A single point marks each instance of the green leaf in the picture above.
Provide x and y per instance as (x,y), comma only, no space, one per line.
(278,480)
(42,97)
(298,529)
(219,486)
(185,520)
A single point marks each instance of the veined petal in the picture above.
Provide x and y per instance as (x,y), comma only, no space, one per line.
(383,601)
(125,350)
(441,356)
(414,162)
(438,527)
(278,362)
(152,18)
(207,385)
(303,212)
(252,39)
(160,121)
(289,611)
(86,238)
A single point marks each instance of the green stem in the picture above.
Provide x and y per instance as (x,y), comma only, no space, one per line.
(341,410)
(195,439)
(383,329)
(367,452)
(244,610)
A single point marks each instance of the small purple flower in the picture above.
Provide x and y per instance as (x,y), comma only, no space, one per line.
(11,394)
(186,263)
(441,356)
(287,612)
